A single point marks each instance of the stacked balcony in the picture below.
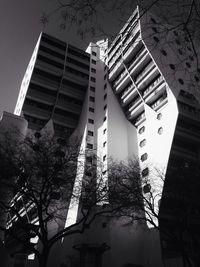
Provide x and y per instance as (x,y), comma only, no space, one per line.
(59,80)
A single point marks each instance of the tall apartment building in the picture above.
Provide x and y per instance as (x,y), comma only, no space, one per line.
(137,97)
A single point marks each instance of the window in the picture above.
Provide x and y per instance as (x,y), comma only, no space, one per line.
(188,64)
(104,144)
(105,76)
(105,96)
(181,81)
(89,159)
(92,88)
(145,172)
(196,78)
(160,130)
(177,42)
(153,20)
(164,52)
(104,119)
(93,70)
(105,85)
(156,39)
(94,53)
(105,107)
(105,67)
(147,188)
(87,173)
(144,157)
(90,133)
(104,172)
(92,99)
(91,121)
(143,143)
(91,110)
(141,130)
(92,79)
(180,51)
(104,157)
(104,131)
(93,61)
(90,146)
(172,66)
(154,29)
(159,116)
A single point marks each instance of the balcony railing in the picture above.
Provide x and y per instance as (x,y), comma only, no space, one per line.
(153,85)
(159,101)
(140,118)
(145,70)
(189,110)
(132,104)
(119,78)
(127,90)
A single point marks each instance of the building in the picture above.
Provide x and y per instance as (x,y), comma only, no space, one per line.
(137,97)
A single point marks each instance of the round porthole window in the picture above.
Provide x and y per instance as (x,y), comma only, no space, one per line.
(159,116)
(160,130)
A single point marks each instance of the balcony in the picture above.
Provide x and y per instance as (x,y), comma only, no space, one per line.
(36,112)
(140,119)
(119,79)
(69,106)
(134,104)
(160,102)
(64,121)
(41,80)
(153,86)
(41,97)
(48,67)
(189,111)
(130,94)
(72,92)
(141,55)
(144,72)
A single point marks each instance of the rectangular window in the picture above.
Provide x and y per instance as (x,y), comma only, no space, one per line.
(93,70)
(105,107)
(91,121)
(104,131)
(91,110)
(105,67)
(89,159)
(90,133)
(105,96)
(92,79)
(105,76)
(104,119)
(104,158)
(92,88)
(104,144)
(92,99)
(94,53)
(90,146)
(93,61)
(104,172)
(105,85)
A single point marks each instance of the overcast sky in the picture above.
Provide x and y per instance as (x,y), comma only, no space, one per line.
(19,30)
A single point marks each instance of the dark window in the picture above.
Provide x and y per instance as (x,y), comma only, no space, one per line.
(191,58)
(175,33)
(156,39)
(164,52)
(91,121)
(90,146)
(160,130)
(177,42)
(172,66)
(104,119)
(104,157)
(93,70)
(147,188)
(94,53)
(92,88)
(188,48)
(188,64)
(105,96)
(105,85)
(159,116)
(104,172)
(153,20)
(104,131)
(90,133)
(180,51)
(196,78)
(91,110)
(104,144)
(154,29)
(141,130)
(144,157)
(143,143)
(181,81)
(105,107)
(93,61)
(92,99)
(89,159)
(145,172)
(92,79)
(105,76)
